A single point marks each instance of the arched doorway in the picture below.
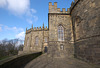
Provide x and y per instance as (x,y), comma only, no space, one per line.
(45,49)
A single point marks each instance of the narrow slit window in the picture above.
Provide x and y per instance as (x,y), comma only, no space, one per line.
(36,41)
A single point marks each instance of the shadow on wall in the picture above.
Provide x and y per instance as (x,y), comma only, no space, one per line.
(20,62)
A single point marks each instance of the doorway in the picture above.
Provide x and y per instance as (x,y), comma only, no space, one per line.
(45,49)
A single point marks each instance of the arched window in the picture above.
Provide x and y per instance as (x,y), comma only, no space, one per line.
(45,39)
(60,33)
(36,41)
(28,41)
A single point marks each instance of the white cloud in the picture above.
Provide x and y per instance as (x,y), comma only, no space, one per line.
(16,32)
(32,19)
(0,29)
(19,7)
(16,6)
(21,35)
(0,24)
(14,29)
(33,10)
(35,18)
(3,3)
(29,21)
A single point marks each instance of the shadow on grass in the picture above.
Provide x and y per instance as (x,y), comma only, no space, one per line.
(20,62)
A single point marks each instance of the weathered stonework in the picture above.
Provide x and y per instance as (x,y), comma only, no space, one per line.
(81,25)
(32,34)
(56,18)
(85,15)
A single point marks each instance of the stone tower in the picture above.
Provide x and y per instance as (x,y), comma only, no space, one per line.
(60,32)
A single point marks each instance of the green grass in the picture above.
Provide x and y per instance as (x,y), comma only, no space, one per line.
(1,58)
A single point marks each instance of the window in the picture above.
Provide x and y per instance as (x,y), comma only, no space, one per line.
(60,33)
(36,41)
(61,47)
(45,39)
(52,8)
(28,41)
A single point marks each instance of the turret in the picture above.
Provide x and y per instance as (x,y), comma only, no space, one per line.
(32,26)
(37,28)
(43,26)
(63,10)
(52,8)
(26,30)
(46,28)
(40,28)
(68,9)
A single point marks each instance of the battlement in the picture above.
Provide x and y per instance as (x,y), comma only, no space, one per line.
(36,29)
(39,28)
(54,9)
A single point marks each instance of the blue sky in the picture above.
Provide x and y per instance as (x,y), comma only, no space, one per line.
(16,15)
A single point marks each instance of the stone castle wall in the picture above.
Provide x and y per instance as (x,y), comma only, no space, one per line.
(81,25)
(85,16)
(30,38)
(56,18)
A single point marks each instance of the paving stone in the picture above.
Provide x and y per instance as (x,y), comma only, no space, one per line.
(66,62)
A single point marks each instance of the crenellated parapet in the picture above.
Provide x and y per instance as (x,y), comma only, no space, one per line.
(54,9)
(36,29)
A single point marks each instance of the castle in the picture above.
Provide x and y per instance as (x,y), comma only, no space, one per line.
(75,32)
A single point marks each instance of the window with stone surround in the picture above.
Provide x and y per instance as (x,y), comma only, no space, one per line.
(52,8)
(36,40)
(45,39)
(60,33)
(61,47)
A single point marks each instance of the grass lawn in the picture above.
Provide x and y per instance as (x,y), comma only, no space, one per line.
(4,57)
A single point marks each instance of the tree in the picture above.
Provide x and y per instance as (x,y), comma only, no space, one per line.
(9,47)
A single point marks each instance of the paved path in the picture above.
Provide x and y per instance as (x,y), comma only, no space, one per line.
(48,62)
